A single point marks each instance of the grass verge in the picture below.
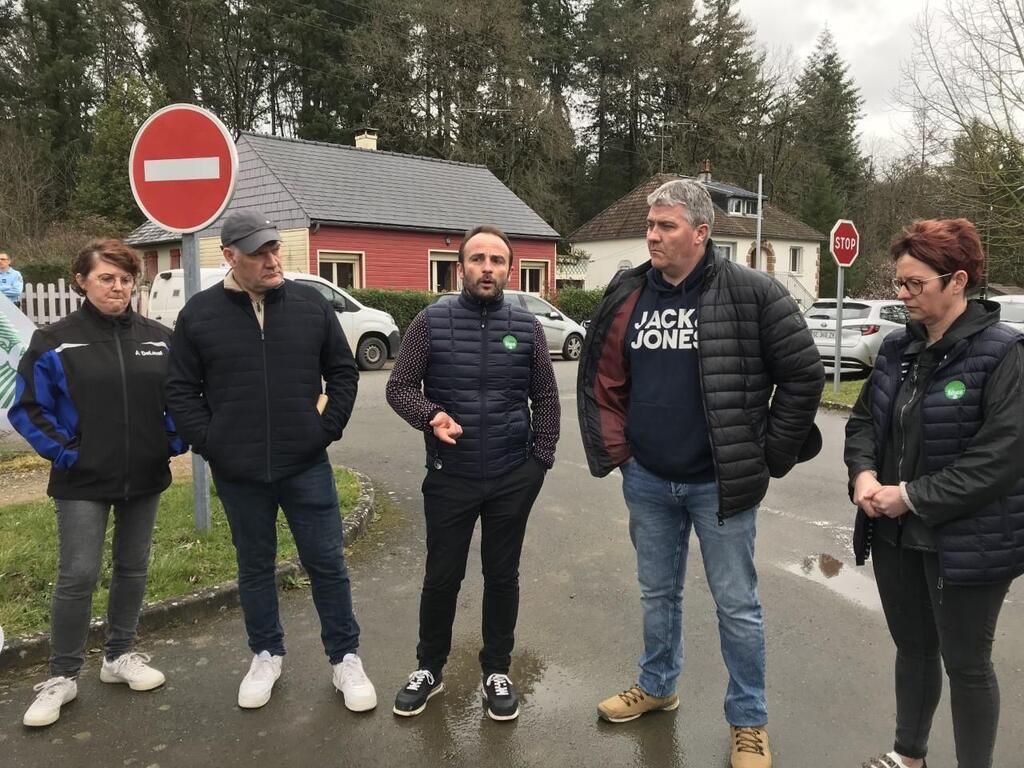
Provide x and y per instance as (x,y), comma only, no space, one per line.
(182,559)
(848,393)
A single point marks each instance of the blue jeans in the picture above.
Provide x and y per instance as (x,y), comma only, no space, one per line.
(310,503)
(661,515)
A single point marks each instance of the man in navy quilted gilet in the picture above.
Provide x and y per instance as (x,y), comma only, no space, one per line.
(475,376)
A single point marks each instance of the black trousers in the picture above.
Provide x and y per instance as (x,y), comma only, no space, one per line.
(956,623)
(452,506)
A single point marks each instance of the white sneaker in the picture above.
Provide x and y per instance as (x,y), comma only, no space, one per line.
(888,760)
(50,697)
(132,668)
(355,686)
(258,682)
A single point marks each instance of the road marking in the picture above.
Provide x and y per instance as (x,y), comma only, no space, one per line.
(837,528)
(182,169)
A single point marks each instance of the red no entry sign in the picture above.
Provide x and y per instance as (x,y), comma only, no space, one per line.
(844,242)
(182,168)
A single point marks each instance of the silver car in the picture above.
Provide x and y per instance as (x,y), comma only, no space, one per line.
(1011,310)
(564,335)
(866,323)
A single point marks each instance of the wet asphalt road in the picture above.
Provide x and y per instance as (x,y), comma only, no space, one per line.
(830,658)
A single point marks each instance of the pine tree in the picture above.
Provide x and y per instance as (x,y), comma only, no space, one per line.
(103,188)
(828,108)
(58,45)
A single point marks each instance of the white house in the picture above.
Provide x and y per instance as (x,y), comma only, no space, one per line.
(790,249)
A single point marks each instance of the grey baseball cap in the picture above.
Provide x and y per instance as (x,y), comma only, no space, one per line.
(247,231)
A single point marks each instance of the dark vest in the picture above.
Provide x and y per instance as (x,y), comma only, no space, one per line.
(986,546)
(479,371)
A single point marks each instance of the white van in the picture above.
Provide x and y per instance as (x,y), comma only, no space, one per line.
(372,334)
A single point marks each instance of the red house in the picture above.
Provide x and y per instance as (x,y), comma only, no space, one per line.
(362,218)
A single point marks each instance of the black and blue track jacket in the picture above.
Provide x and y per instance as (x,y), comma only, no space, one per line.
(90,398)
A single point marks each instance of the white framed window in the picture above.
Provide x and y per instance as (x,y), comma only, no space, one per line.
(343,268)
(444,271)
(742,206)
(796,258)
(533,276)
(726,250)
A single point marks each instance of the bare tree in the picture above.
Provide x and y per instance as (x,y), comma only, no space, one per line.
(966,87)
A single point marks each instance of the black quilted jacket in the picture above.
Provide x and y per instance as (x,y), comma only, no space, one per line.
(245,396)
(753,343)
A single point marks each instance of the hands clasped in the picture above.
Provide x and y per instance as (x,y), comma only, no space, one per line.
(878,500)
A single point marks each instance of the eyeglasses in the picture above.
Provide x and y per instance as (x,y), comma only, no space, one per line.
(915,285)
(107,281)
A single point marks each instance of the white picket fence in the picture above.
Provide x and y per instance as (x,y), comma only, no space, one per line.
(45,304)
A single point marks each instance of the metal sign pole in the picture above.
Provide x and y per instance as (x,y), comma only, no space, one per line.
(839,327)
(200,479)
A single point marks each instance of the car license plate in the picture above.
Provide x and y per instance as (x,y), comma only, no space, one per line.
(823,334)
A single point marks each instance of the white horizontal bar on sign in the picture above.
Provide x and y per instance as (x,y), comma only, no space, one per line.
(182,169)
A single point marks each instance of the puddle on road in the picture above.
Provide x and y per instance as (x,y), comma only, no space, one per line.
(838,577)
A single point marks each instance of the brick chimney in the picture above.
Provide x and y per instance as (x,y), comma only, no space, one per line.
(366,138)
(705,172)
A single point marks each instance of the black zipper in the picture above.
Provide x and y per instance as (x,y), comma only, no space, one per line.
(266,391)
(124,400)
(903,412)
(483,385)
(704,405)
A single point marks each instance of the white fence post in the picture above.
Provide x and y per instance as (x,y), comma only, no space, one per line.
(45,304)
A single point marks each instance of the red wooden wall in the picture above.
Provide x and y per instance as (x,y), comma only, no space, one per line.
(397,259)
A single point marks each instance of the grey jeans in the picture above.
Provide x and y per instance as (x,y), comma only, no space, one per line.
(81,531)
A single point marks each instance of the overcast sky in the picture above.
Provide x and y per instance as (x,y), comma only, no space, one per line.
(872,37)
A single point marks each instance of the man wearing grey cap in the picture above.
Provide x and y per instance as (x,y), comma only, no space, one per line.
(244,385)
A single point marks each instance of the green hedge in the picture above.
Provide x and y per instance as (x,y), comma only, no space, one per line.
(577,303)
(404,305)
(401,305)
(45,270)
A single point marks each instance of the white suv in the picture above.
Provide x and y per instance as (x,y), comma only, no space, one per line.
(1011,310)
(866,323)
(371,334)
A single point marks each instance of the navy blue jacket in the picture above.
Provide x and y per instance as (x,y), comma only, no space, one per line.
(245,397)
(90,398)
(479,368)
(968,485)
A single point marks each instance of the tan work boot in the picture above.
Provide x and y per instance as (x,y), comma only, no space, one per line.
(750,747)
(629,705)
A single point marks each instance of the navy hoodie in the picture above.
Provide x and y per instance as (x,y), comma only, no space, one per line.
(666,426)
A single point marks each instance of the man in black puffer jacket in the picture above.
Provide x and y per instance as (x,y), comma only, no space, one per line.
(245,385)
(697,419)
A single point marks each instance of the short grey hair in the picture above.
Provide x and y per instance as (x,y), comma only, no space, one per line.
(692,195)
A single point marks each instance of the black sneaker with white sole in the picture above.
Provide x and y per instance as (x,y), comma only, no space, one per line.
(414,695)
(500,697)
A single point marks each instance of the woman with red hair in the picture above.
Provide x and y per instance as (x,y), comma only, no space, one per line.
(933,448)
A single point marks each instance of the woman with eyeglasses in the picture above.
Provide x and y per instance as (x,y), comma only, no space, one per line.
(90,398)
(934,449)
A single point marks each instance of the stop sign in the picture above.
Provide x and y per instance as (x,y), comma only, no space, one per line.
(844,242)
(182,168)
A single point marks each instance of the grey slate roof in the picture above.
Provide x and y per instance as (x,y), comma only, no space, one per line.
(297,182)
(150,234)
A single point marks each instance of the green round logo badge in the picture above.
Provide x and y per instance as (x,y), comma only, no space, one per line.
(510,342)
(955,390)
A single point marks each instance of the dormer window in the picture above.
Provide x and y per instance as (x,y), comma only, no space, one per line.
(741,206)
